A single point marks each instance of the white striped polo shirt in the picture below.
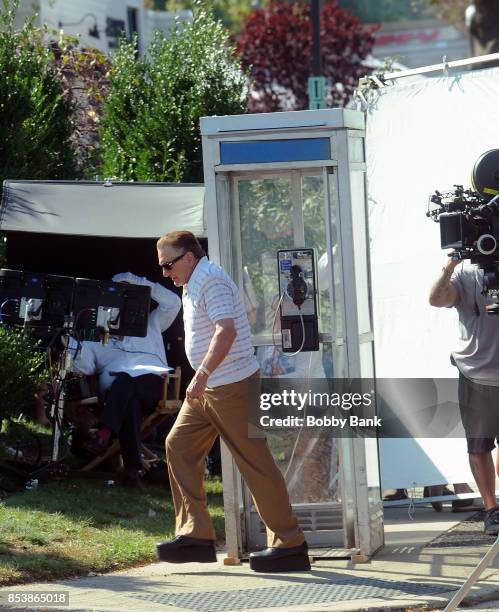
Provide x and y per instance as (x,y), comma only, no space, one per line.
(211,295)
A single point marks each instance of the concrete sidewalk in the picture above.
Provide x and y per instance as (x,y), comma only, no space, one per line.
(404,575)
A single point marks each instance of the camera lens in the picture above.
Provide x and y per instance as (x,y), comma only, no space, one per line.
(486,244)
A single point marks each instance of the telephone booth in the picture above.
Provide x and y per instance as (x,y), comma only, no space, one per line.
(296,180)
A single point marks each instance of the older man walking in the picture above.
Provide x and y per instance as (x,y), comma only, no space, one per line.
(218,346)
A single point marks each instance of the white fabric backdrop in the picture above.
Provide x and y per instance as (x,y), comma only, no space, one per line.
(421,136)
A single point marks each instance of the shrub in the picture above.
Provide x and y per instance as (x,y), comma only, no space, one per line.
(21,371)
(151,120)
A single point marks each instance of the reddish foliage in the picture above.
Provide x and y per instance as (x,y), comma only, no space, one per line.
(84,74)
(276,46)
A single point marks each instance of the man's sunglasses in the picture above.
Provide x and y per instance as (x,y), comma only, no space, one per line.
(169,264)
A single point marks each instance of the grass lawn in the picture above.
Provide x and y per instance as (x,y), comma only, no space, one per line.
(72,527)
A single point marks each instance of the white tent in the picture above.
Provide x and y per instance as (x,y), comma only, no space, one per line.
(421,136)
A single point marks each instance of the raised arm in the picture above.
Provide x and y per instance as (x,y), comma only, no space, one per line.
(168,305)
(168,302)
(443,293)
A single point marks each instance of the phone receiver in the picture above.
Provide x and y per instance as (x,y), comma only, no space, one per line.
(297,288)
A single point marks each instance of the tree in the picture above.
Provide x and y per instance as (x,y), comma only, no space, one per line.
(231,13)
(35,117)
(150,130)
(451,11)
(276,45)
(484,25)
(386,10)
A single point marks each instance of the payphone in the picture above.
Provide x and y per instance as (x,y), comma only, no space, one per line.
(298,303)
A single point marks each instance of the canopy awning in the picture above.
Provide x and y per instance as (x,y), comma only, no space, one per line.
(81,208)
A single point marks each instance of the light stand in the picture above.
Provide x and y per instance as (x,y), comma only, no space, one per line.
(58,396)
(473,577)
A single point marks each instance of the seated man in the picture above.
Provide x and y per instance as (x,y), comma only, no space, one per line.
(130,373)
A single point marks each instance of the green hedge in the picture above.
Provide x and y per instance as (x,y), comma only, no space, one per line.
(150,129)
(21,371)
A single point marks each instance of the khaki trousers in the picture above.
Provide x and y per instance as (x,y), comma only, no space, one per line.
(224,410)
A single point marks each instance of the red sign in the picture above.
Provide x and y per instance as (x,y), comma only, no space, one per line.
(407,37)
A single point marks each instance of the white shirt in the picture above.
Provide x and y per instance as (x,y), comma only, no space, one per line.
(132,355)
(209,296)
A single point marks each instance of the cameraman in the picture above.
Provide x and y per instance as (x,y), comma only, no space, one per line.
(460,285)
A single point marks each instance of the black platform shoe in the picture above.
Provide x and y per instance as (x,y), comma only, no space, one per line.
(184,549)
(294,559)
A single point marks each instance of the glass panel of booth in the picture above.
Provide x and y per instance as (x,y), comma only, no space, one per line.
(225,229)
(314,225)
(272,214)
(333,276)
(366,358)
(282,210)
(265,210)
(366,350)
(360,245)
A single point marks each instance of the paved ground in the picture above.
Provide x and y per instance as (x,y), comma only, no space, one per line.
(404,575)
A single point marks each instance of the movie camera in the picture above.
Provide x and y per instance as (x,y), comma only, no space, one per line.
(469,221)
